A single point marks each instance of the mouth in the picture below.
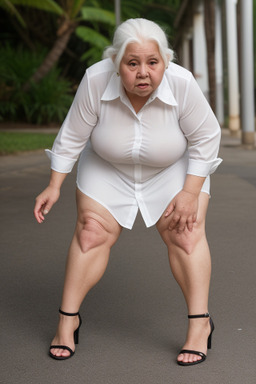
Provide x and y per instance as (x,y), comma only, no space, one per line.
(143,85)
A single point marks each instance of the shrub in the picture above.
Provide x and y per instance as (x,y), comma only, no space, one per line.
(45,102)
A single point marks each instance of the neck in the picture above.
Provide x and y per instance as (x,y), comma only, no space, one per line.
(137,102)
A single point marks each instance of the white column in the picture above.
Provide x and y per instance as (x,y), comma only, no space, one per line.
(118,12)
(185,52)
(233,82)
(247,74)
(219,65)
(200,53)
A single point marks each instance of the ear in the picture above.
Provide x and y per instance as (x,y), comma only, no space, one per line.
(168,56)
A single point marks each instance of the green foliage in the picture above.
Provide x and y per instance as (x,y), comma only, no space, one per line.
(10,6)
(45,102)
(100,19)
(49,100)
(132,9)
(163,12)
(74,8)
(97,41)
(98,15)
(13,142)
(45,5)
(12,10)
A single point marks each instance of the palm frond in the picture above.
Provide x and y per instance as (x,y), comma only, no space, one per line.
(97,14)
(91,36)
(45,5)
(75,8)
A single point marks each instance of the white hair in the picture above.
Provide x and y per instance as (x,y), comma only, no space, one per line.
(137,31)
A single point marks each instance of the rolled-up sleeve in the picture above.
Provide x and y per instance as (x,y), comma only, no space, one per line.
(75,130)
(202,131)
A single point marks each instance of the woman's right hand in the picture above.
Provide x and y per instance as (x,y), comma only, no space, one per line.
(45,201)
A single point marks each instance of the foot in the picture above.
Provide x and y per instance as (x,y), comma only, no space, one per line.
(65,335)
(197,337)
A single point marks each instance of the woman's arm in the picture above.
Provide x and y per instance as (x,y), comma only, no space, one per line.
(49,196)
(202,130)
(71,139)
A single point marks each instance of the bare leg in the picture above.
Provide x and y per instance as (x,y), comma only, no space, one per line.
(96,232)
(190,263)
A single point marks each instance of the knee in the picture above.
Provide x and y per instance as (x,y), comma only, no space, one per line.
(185,241)
(91,234)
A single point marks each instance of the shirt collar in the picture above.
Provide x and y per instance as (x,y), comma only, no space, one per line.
(164,93)
(114,90)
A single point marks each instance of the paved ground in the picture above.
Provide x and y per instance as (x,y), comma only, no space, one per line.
(134,321)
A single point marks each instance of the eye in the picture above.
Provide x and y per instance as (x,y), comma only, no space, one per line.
(132,64)
(153,62)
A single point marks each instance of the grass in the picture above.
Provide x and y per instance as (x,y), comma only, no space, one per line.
(14,142)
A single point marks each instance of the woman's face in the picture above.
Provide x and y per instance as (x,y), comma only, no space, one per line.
(141,69)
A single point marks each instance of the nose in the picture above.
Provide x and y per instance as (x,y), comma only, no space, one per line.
(142,72)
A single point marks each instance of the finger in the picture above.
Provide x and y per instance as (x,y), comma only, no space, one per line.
(190,223)
(38,215)
(174,222)
(194,218)
(47,207)
(40,210)
(169,210)
(181,226)
(46,210)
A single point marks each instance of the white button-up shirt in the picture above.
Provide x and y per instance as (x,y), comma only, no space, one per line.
(140,160)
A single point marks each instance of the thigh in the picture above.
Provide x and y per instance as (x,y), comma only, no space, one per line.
(89,210)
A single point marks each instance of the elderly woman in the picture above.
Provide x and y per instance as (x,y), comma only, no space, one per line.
(147,140)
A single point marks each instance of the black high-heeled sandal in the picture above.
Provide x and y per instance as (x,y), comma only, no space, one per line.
(76,338)
(209,342)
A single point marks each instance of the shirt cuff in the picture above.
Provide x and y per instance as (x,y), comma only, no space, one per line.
(203,168)
(60,163)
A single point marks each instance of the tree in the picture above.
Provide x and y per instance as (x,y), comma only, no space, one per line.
(69,21)
(10,6)
(70,15)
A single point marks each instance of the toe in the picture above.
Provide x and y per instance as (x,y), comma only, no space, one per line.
(180,357)
(188,358)
(64,353)
(59,352)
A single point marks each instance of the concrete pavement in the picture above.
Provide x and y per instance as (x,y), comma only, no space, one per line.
(134,320)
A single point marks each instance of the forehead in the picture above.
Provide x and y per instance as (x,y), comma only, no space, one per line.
(147,48)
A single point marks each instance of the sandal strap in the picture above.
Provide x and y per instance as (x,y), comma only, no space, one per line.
(68,314)
(199,316)
(201,354)
(62,347)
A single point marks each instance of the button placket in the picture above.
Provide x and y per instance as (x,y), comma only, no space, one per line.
(136,149)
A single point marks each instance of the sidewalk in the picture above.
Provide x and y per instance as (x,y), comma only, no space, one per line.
(134,320)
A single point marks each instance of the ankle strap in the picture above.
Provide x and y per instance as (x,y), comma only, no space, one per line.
(198,316)
(68,314)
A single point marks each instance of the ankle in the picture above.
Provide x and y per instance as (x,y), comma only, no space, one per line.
(200,324)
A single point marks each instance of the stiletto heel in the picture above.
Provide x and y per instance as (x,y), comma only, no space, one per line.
(209,342)
(76,338)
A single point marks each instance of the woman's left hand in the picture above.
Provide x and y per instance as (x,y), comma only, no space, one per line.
(182,211)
